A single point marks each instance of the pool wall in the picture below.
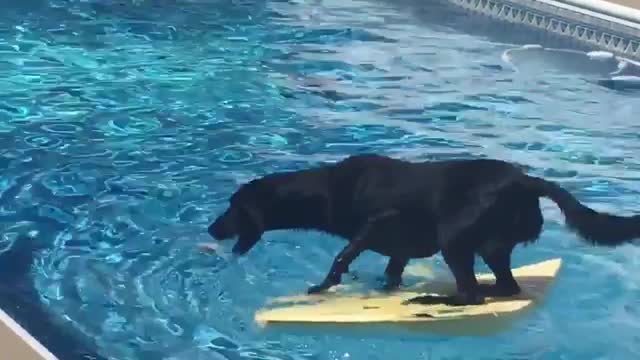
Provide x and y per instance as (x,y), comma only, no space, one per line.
(601,24)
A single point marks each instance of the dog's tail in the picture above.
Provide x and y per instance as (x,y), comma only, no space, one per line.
(599,228)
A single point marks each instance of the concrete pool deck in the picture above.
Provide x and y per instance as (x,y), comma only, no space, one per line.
(634,4)
(612,25)
(16,343)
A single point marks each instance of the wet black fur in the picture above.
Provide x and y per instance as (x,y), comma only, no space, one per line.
(407,210)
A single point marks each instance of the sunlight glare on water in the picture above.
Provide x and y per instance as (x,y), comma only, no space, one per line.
(125,127)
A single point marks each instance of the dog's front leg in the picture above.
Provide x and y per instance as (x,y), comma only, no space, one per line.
(348,254)
(340,266)
(460,262)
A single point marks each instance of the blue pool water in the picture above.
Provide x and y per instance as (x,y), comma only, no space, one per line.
(125,126)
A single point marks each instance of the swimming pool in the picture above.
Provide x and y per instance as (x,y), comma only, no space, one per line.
(125,127)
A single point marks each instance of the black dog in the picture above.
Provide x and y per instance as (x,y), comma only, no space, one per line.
(408,210)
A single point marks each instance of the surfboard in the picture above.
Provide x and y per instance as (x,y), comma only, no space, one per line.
(341,307)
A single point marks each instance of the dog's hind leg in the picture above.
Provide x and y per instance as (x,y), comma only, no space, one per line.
(520,222)
(461,261)
(348,254)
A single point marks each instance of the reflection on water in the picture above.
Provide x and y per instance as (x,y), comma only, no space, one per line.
(602,67)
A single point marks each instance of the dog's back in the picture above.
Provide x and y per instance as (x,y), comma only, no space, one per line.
(429,173)
(355,187)
(364,183)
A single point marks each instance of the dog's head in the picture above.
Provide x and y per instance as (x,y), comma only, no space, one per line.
(278,201)
(243,219)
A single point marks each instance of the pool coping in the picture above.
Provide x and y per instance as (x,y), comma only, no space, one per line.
(609,8)
(599,24)
(17,343)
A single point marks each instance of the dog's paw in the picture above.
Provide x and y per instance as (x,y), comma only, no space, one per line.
(464,300)
(453,300)
(426,300)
